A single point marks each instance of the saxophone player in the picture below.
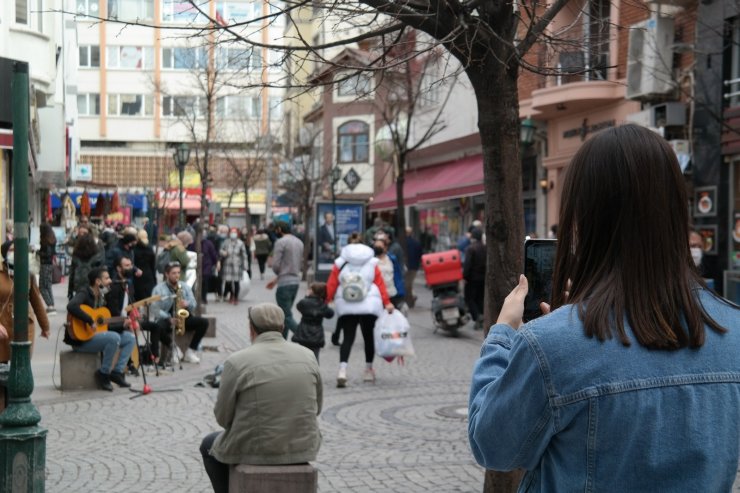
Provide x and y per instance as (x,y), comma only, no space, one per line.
(167,312)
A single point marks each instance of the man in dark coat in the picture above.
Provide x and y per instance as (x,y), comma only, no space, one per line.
(210,258)
(413,262)
(474,273)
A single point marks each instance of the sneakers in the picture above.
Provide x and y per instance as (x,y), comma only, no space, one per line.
(103,381)
(190,357)
(342,378)
(179,353)
(51,311)
(118,379)
(369,375)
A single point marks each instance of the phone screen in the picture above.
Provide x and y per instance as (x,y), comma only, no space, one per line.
(539,264)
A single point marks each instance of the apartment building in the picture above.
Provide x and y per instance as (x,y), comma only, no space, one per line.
(29,33)
(157,74)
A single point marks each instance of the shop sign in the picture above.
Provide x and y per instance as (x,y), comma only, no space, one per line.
(586,129)
(705,200)
(190,179)
(82,172)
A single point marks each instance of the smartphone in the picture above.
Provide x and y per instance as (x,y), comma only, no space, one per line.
(539,265)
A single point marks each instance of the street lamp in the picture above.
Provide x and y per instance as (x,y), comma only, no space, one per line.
(336,175)
(526,131)
(181,157)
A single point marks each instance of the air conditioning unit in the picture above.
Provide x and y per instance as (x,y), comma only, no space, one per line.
(650,59)
(671,114)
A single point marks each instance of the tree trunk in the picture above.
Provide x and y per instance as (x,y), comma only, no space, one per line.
(307,239)
(498,112)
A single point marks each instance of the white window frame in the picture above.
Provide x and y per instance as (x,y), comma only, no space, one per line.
(168,13)
(169,106)
(251,104)
(275,108)
(224,57)
(85,7)
(114,61)
(168,62)
(146,101)
(339,87)
(88,49)
(141,5)
(88,98)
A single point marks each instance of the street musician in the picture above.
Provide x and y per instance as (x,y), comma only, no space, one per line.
(177,296)
(88,311)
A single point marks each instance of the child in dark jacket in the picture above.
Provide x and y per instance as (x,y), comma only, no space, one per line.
(313,308)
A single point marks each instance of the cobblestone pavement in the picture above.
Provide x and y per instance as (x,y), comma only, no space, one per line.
(404,433)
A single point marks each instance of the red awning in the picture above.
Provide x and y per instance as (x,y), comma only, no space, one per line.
(460,178)
(188,203)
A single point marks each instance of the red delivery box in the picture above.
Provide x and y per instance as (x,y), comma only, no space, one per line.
(442,267)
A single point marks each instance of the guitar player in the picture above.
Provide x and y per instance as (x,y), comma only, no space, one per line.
(108,342)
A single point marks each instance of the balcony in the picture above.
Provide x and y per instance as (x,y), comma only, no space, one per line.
(581,84)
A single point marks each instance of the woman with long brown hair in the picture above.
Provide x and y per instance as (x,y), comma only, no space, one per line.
(47,251)
(632,382)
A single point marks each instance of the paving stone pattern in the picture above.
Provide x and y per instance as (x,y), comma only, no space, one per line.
(387,436)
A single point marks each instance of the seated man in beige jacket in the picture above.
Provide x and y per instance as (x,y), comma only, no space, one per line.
(268,402)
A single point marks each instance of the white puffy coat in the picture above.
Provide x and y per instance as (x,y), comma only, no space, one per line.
(361,258)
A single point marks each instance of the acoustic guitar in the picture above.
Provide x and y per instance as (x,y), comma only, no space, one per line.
(81,331)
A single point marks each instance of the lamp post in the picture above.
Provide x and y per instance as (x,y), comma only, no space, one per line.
(526,132)
(181,157)
(336,175)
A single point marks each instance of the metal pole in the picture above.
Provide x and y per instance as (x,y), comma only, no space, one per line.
(22,442)
(181,169)
(268,192)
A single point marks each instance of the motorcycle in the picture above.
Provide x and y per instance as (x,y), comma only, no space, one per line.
(443,272)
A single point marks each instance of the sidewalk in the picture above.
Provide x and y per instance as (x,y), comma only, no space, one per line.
(405,433)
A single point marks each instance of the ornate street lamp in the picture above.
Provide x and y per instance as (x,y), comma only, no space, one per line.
(336,175)
(181,157)
(526,131)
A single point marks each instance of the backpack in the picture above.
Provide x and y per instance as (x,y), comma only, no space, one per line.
(354,288)
(163,258)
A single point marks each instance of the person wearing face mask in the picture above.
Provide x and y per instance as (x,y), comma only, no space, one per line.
(36,313)
(696,246)
(392,273)
(107,342)
(233,263)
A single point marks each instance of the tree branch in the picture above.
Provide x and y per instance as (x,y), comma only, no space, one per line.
(535,30)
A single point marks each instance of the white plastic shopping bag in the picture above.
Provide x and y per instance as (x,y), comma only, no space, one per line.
(392,336)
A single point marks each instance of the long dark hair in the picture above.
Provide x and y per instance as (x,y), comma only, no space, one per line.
(623,243)
(46,235)
(85,247)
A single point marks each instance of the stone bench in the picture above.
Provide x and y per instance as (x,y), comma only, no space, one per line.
(301,478)
(183,341)
(78,370)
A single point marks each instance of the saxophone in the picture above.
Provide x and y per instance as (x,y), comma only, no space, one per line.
(180,313)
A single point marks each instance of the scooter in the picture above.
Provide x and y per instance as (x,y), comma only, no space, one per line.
(443,272)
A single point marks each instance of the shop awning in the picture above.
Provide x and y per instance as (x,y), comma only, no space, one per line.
(188,203)
(460,178)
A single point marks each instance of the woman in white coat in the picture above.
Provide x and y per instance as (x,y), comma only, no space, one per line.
(356,286)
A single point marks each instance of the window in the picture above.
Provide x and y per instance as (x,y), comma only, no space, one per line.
(184,106)
(183,58)
(183,11)
(597,39)
(88,104)
(131,10)
(21,11)
(130,57)
(237,12)
(90,56)
(275,60)
(88,7)
(357,85)
(353,142)
(130,105)
(238,107)
(234,58)
(276,108)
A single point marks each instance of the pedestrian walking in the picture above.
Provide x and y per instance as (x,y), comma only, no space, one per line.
(233,263)
(248,239)
(474,273)
(631,382)
(356,286)
(413,264)
(313,310)
(47,251)
(287,258)
(209,263)
(391,270)
(262,248)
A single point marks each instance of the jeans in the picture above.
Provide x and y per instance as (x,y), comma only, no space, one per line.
(217,471)
(45,282)
(348,324)
(108,343)
(285,297)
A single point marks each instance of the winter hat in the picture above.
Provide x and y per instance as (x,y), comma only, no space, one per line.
(266,317)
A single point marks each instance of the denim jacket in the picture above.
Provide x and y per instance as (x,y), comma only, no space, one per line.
(582,415)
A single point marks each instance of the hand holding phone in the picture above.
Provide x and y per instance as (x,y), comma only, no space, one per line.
(539,266)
